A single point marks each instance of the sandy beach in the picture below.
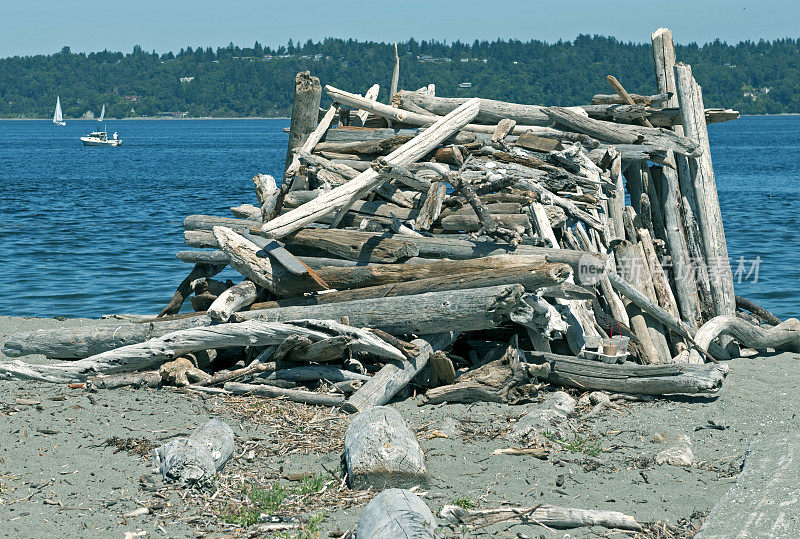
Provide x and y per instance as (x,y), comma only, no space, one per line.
(60,474)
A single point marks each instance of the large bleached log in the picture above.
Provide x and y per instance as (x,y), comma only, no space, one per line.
(380,451)
(408,153)
(305,111)
(623,133)
(492,112)
(542,515)
(378,274)
(294,395)
(435,312)
(151,353)
(709,215)
(632,378)
(233,299)
(784,336)
(195,460)
(396,513)
(85,341)
(395,375)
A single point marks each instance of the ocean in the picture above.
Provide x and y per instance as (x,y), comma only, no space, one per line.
(90,231)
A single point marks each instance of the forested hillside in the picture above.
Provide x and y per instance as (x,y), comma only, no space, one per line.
(752,77)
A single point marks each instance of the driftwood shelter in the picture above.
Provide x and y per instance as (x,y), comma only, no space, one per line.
(471,249)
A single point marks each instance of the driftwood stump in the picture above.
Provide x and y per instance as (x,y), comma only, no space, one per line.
(380,450)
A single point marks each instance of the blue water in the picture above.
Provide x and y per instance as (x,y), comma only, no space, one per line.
(89,231)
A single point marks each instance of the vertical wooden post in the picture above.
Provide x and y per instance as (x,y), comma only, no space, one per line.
(305,111)
(395,74)
(709,215)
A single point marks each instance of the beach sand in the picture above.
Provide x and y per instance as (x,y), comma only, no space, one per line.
(58,476)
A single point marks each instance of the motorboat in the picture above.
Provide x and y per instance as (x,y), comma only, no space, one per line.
(100,138)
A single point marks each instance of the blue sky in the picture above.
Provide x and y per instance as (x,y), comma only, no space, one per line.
(44,26)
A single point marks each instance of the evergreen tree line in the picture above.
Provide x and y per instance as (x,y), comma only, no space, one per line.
(753,77)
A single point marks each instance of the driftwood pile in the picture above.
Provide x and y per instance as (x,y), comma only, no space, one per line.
(468,248)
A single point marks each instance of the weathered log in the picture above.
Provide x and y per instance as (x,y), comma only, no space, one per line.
(395,73)
(632,378)
(294,395)
(432,207)
(664,61)
(661,285)
(246,211)
(354,245)
(231,300)
(783,337)
(540,515)
(185,288)
(396,374)
(466,310)
(155,351)
(535,278)
(434,312)
(630,262)
(685,282)
(615,99)
(305,111)
(396,513)
(409,152)
(268,196)
(623,133)
(492,112)
(709,215)
(195,461)
(250,260)
(368,147)
(378,274)
(380,451)
(518,223)
(136,379)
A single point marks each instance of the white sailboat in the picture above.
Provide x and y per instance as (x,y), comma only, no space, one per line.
(102,114)
(58,118)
